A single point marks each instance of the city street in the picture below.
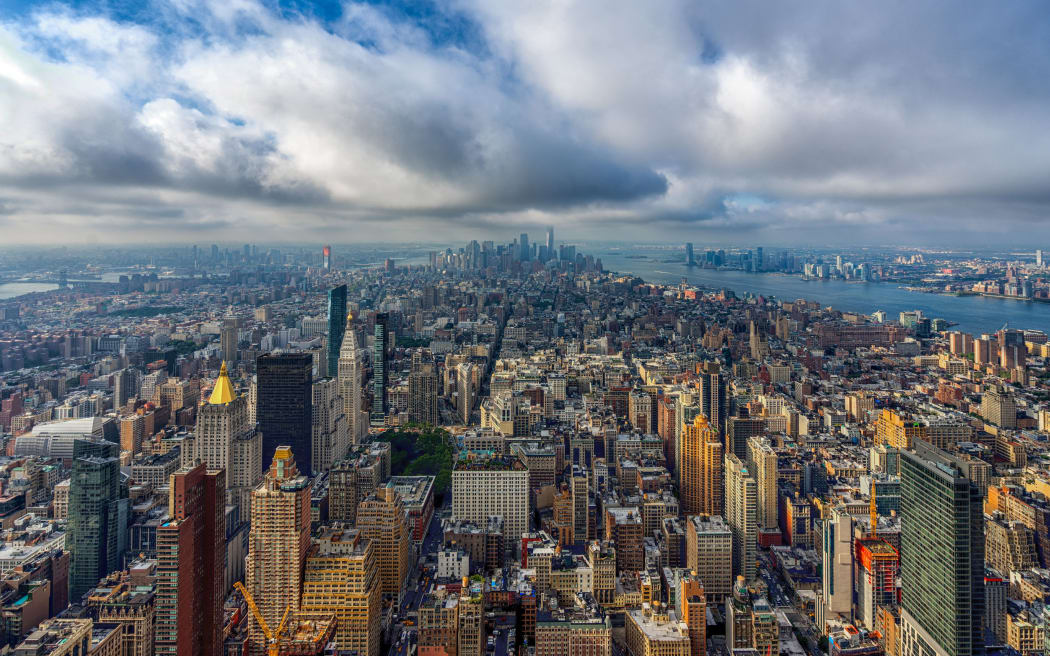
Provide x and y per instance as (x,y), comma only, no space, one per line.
(780,596)
(419,583)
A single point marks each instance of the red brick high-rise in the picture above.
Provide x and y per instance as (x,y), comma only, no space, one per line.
(191,555)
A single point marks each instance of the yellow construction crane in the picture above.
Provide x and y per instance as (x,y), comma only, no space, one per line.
(273,639)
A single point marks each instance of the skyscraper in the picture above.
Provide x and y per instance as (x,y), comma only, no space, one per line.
(228,339)
(702,486)
(285,405)
(350,382)
(226,439)
(942,555)
(125,386)
(380,353)
(714,402)
(742,515)
(329,437)
(550,242)
(326,258)
(708,552)
(580,504)
(422,389)
(277,544)
(692,608)
(382,518)
(342,578)
(689,253)
(336,327)
(1012,350)
(473,483)
(524,244)
(562,527)
(837,564)
(191,556)
(763,462)
(98,515)
(466,391)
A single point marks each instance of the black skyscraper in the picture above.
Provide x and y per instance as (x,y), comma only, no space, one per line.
(380,351)
(336,327)
(285,405)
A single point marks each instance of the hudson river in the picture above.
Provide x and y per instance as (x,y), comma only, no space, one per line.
(973,314)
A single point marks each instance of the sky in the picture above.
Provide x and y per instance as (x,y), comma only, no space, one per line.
(783,123)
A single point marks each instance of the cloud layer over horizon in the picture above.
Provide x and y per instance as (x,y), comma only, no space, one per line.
(784,122)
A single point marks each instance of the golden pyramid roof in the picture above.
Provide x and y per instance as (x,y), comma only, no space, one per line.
(223,392)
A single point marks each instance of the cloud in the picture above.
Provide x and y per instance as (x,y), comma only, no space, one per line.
(617,118)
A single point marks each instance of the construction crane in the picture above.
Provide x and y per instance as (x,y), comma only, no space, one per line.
(273,639)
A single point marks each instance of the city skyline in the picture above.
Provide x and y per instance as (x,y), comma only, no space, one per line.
(790,124)
(524,444)
(517,328)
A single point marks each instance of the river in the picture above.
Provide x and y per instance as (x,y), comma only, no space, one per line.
(12,289)
(973,314)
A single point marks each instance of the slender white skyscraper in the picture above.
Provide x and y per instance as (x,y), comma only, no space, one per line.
(349,376)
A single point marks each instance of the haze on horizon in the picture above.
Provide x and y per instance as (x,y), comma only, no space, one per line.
(781,123)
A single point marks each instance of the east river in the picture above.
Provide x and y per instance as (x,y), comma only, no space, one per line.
(973,314)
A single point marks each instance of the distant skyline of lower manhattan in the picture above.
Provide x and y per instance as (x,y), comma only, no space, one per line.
(789,124)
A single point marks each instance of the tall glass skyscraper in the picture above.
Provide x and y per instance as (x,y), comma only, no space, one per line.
(380,350)
(98,515)
(285,405)
(942,555)
(336,327)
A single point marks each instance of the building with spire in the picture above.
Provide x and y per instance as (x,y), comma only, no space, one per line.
(349,377)
(277,544)
(225,438)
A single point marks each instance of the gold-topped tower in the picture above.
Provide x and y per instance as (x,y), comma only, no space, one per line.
(223,392)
